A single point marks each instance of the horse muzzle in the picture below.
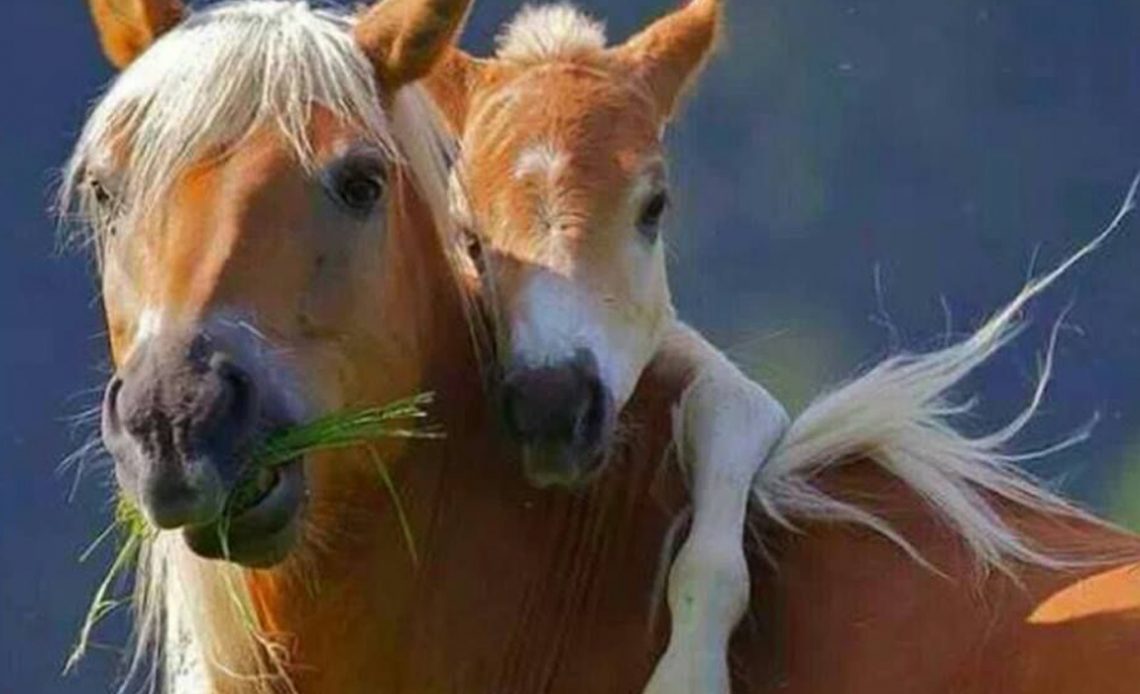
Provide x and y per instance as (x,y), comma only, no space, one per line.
(563,415)
(182,420)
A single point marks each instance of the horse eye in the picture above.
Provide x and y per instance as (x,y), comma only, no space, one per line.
(99,192)
(356,182)
(360,192)
(650,218)
(106,206)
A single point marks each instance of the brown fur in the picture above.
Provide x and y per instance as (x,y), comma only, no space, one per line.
(843,611)
(668,54)
(128,27)
(406,38)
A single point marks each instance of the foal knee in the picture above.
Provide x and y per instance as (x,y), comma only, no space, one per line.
(729,425)
(709,587)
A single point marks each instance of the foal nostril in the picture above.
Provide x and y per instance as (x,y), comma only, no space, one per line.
(594,415)
(539,404)
(566,404)
(522,413)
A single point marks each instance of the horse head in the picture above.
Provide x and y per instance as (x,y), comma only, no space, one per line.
(251,195)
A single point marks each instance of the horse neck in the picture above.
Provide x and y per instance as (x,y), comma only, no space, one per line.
(514,587)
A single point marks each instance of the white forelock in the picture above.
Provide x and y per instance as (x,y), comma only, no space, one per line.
(222,74)
(541,33)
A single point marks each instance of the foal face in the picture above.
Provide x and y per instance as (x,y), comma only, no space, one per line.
(562,187)
(251,291)
(566,185)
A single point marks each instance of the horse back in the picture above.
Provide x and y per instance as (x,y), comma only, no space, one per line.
(840,609)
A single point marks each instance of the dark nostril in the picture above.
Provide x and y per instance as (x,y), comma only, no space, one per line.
(586,364)
(200,351)
(592,418)
(562,404)
(511,409)
(238,385)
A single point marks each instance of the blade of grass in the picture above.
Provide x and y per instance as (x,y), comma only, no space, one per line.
(401,514)
(101,605)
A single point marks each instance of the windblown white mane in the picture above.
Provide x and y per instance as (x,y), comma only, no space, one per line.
(899,416)
(550,32)
(224,73)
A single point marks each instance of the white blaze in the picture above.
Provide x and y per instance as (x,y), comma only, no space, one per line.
(554,319)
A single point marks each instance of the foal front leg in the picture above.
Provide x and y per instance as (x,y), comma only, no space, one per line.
(725,426)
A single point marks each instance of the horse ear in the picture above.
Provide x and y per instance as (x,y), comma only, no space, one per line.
(671,52)
(128,27)
(405,39)
(451,84)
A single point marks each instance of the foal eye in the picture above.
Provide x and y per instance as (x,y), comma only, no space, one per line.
(473,246)
(650,219)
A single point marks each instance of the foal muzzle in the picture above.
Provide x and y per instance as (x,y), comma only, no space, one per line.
(563,415)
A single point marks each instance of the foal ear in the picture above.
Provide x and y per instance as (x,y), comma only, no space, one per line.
(128,27)
(671,52)
(405,39)
(451,84)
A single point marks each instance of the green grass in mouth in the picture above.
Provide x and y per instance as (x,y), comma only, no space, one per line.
(352,428)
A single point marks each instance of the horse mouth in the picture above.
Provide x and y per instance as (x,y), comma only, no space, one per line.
(260,532)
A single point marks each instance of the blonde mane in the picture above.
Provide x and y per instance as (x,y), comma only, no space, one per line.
(222,74)
(545,33)
(201,89)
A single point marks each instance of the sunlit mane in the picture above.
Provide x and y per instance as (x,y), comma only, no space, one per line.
(197,92)
(225,72)
(550,32)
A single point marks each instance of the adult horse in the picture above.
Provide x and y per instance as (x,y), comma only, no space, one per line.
(264,187)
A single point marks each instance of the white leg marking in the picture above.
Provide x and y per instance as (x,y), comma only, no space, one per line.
(726,425)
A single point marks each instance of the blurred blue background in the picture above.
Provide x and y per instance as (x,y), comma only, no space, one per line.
(852,177)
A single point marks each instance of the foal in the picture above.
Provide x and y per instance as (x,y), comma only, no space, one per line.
(561,189)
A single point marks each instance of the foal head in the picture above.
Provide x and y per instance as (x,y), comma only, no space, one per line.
(245,182)
(562,188)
